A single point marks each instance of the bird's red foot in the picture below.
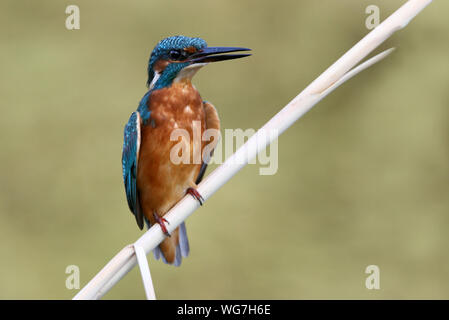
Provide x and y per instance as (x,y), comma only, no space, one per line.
(194,193)
(161,221)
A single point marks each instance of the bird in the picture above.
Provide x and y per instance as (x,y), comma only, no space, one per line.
(153,182)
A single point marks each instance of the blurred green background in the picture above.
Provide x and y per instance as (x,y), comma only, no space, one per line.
(363,178)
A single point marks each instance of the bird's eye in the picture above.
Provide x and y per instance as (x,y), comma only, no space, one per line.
(174,54)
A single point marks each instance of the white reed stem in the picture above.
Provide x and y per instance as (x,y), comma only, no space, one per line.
(328,81)
(145,272)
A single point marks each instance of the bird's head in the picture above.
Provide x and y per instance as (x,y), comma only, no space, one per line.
(179,58)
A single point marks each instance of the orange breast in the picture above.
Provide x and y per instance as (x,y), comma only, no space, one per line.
(162,183)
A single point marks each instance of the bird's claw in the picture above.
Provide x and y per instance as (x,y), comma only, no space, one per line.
(161,221)
(194,193)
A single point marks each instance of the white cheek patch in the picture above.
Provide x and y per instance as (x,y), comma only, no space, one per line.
(155,78)
(188,72)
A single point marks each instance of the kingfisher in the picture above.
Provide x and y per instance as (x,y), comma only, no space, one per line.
(153,182)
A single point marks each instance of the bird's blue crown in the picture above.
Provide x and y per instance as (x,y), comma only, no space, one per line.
(165,46)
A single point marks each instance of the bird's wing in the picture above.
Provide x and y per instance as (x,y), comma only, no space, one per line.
(212,122)
(130,156)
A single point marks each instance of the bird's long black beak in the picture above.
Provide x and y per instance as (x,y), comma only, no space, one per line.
(214,54)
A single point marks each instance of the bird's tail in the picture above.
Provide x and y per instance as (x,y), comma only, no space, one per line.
(174,248)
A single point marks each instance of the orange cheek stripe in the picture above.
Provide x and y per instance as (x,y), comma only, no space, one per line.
(160,65)
(190,49)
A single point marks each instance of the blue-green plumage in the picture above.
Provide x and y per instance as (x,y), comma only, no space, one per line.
(130,156)
(143,109)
